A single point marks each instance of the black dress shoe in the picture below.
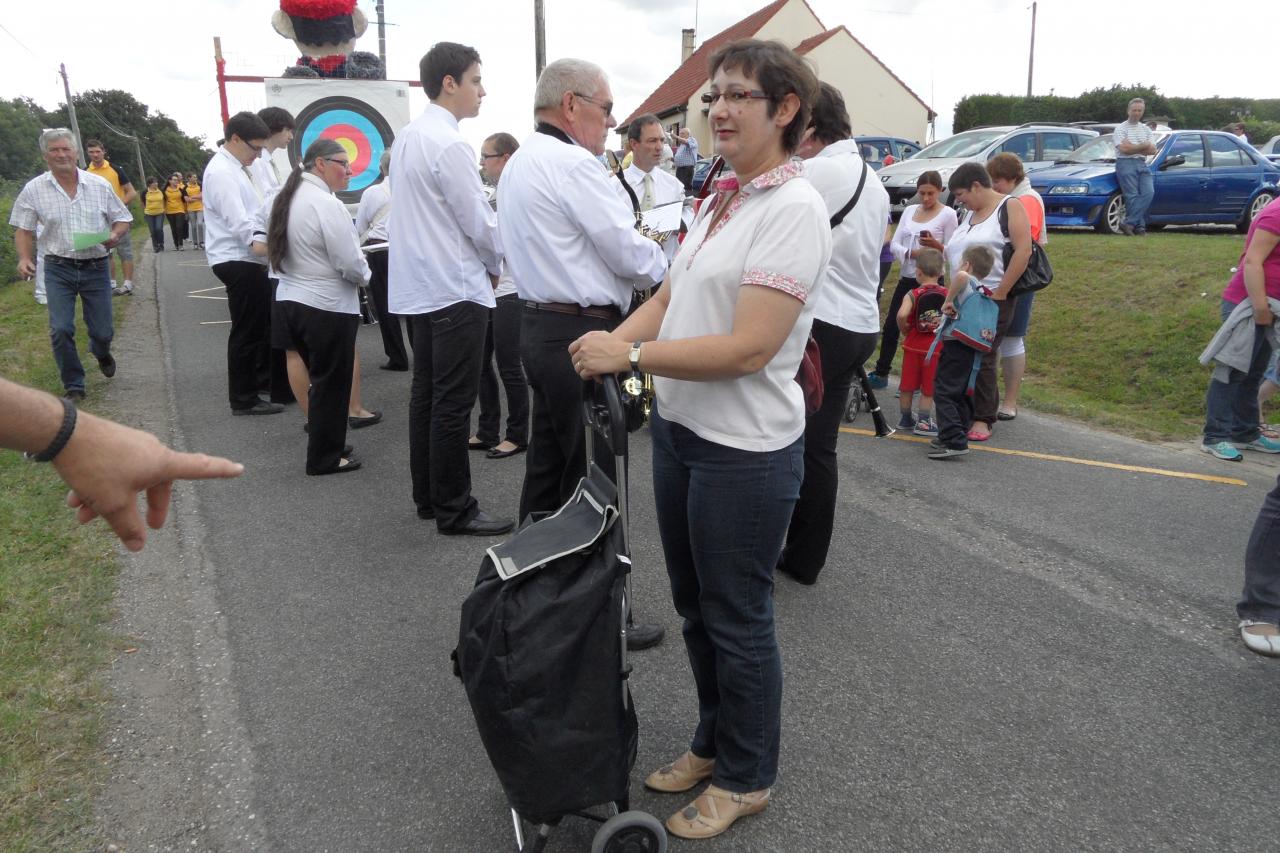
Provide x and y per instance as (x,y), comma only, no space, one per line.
(352,465)
(479,446)
(482,525)
(107,364)
(398,368)
(643,636)
(495,453)
(360,423)
(262,407)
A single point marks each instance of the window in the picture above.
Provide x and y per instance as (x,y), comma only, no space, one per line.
(1190,146)
(1057,145)
(908,149)
(1024,145)
(1225,152)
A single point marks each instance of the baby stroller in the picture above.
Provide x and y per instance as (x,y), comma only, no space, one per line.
(542,654)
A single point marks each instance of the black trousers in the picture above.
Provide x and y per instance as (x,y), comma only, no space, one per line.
(889,334)
(273,377)
(684,174)
(177,227)
(248,347)
(446,377)
(952,403)
(326,342)
(502,341)
(388,323)
(986,395)
(556,460)
(813,519)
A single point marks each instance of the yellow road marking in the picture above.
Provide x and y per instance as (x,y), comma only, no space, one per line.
(198,296)
(204,290)
(213,322)
(1050,457)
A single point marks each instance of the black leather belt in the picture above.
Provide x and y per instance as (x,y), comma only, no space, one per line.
(603,312)
(73,262)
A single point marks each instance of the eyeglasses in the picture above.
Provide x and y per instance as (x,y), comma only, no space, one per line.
(736,97)
(256,149)
(484,157)
(346,164)
(606,106)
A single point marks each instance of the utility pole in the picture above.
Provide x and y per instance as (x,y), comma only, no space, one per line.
(382,33)
(71,113)
(1031,59)
(539,40)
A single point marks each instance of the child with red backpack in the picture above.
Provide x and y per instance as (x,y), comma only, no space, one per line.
(918,320)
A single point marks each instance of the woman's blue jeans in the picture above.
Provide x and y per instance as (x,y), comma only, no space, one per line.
(723,516)
(1232,407)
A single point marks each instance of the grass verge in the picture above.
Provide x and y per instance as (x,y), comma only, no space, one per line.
(57,583)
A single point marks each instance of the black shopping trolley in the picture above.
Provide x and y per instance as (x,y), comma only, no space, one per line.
(542,654)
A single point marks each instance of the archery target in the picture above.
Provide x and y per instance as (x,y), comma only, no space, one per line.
(354,125)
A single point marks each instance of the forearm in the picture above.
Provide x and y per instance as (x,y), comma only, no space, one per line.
(705,359)
(1255,283)
(25,242)
(119,230)
(29,419)
(644,324)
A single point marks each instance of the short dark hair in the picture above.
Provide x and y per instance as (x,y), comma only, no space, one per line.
(153,180)
(830,119)
(247,126)
(1006,165)
(980,259)
(929,262)
(276,119)
(503,144)
(931,178)
(639,123)
(445,59)
(94,143)
(780,72)
(968,174)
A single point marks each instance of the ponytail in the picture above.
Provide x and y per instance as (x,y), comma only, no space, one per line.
(278,222)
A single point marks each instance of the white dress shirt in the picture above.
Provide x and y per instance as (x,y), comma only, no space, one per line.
(268,173)
(666,189)
(323,266)
(444,234)
(849,298)
(374,212)
(232,199)
(570,236)
(95,208)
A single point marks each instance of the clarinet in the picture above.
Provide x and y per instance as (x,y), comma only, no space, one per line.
(883,430)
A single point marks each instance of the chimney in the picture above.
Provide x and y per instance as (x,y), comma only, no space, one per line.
(686,45)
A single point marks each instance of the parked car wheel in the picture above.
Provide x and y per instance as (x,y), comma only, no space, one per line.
(1255,207)
(1112,215)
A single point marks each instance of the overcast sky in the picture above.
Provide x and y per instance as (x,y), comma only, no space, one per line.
(162,51)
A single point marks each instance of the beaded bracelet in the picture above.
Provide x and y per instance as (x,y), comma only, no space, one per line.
(64,434)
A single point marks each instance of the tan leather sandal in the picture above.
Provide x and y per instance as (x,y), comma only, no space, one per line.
(714,811)
(681,775)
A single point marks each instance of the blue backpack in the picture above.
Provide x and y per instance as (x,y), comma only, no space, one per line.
(974,326)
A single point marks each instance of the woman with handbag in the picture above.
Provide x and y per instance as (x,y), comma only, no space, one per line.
(1009,178)
(970,185)
(723,338)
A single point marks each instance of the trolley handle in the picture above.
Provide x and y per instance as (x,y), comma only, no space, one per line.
(602,408)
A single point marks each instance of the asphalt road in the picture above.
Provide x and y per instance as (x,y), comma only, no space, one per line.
(1005,652)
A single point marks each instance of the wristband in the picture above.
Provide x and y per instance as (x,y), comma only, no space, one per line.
(64,434)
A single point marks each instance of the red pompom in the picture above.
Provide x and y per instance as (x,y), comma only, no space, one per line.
(317,9)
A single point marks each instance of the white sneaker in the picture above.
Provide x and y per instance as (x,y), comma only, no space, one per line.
(127,287)
(1261,637)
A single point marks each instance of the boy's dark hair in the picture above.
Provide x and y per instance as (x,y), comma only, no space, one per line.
(830,119)
(968,174)
(980,260)
(94,143)
(276,119)
(780,71)
(929,262)
(247,126)
(445,59)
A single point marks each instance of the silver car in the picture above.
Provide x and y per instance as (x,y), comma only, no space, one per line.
(1037,146)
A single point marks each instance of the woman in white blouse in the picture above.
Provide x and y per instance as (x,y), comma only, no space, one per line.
(927,225)
(723,338)
(313,247)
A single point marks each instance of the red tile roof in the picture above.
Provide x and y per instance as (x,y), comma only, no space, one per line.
(810,43)
(677,89)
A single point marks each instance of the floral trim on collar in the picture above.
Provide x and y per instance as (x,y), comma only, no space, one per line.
(775,177)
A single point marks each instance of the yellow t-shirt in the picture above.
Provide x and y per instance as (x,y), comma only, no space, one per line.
(154,203)
(173,202)
(194,199)
(112,175)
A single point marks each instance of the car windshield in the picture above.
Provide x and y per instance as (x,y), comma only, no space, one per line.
(1101,149)
(961,145)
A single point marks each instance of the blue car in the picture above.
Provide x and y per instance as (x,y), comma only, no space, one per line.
(1200,176)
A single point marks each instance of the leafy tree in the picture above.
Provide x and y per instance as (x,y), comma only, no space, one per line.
(21,121)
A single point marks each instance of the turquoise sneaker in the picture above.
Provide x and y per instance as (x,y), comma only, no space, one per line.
(1262,444)
(877,381)
(1223,450)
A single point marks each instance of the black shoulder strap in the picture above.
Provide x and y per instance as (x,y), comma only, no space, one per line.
(844,211)
(635,202)
(1003,218)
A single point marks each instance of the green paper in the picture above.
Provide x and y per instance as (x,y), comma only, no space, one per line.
(87,241)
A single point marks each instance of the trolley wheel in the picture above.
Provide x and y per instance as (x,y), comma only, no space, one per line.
(856,400)
(630,832)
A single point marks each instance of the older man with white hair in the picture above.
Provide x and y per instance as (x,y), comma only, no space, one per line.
(81,220)
(576,256)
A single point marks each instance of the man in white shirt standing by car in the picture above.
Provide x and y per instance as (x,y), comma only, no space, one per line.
(1134,143)
(650,186)
(846,320)
(444,262)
